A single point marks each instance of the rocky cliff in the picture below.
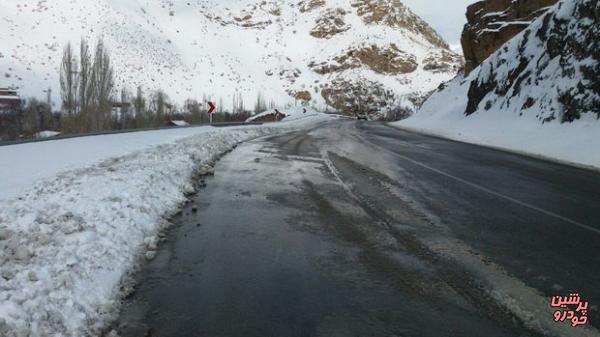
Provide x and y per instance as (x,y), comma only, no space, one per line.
(491,23)
(548,73)
(539,93)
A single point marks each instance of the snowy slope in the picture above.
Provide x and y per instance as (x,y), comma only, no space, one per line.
(191,48)
(538,94)
(69,240)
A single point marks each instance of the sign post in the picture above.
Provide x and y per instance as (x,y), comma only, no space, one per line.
(211,109)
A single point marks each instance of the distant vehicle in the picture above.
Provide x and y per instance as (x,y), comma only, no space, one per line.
(362,116)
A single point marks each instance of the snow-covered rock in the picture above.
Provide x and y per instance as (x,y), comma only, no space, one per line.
(539,93)
(491,23)
(218,48)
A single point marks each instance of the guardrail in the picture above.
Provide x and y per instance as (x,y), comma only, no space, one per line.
(112,132)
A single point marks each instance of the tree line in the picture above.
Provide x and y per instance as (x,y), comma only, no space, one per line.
(91,102)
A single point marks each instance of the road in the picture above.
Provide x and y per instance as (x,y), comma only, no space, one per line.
(361,229)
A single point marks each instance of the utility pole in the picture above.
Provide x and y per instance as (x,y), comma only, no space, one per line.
(49,97)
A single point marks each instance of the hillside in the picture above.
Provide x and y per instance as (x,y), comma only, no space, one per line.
(313,50)
(539,93)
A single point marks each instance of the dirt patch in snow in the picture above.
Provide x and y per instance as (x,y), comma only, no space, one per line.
(307,6)
(330,24)
(388,60)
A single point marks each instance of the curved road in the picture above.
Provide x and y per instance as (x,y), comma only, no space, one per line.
(361,229)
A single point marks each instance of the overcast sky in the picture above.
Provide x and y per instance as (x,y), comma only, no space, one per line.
(445,16)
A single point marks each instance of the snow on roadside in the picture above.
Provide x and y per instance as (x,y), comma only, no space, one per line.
(443,115)
(21,164)
(291,114)
(68,242)
(537,94)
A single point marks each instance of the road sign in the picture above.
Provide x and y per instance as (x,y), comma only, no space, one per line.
(211,110)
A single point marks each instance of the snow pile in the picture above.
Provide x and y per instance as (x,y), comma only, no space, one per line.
(68,242)
(222,47)
(538,94)
(291,114)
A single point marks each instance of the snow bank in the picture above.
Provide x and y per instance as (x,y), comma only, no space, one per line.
(520,96)
(21,164)
(570,143)
(70,239)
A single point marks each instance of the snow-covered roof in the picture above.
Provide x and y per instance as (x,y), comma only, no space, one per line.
(46,134)
(179,123)
(10,97)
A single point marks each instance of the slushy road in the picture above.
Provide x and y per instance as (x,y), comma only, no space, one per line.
(361,229)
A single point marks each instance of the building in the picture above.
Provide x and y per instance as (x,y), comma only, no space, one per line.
(9,98)
(10,113)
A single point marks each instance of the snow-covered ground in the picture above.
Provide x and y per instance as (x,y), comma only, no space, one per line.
(571,143)
(69,239)
(525,95)
(22,164)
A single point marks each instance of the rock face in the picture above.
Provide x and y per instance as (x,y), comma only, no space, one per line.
(394,13)
(491,23)
(357,95)
(387,60)
(330,24)
(550,72)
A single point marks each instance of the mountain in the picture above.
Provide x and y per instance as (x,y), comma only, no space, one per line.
(491,23)
(539,93)
(371,54)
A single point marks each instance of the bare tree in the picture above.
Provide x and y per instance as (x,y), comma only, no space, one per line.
(241,107)
(220,107)
(260,104)
(37,116)
(238,102)
(69,80)
(85,84)
(139,105)
(102,84)
(160,106)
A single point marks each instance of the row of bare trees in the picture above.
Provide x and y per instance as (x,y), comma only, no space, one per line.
(89,104)
(87,84)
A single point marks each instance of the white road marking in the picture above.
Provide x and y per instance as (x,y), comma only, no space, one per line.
(494,193)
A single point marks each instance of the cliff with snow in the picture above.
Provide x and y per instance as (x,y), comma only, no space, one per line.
(539,93)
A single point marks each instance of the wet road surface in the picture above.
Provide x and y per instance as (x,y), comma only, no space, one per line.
(361,229)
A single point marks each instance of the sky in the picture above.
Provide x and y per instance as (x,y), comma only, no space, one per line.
(447,17)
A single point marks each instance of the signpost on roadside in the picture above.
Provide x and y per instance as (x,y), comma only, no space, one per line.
(211,110)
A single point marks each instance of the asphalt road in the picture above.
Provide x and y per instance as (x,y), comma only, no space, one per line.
(361,229)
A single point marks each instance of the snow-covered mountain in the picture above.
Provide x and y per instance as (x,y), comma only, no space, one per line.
(539,93)
(373,53)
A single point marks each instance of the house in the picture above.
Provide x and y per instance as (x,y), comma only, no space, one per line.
(10,114)
(9,98)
